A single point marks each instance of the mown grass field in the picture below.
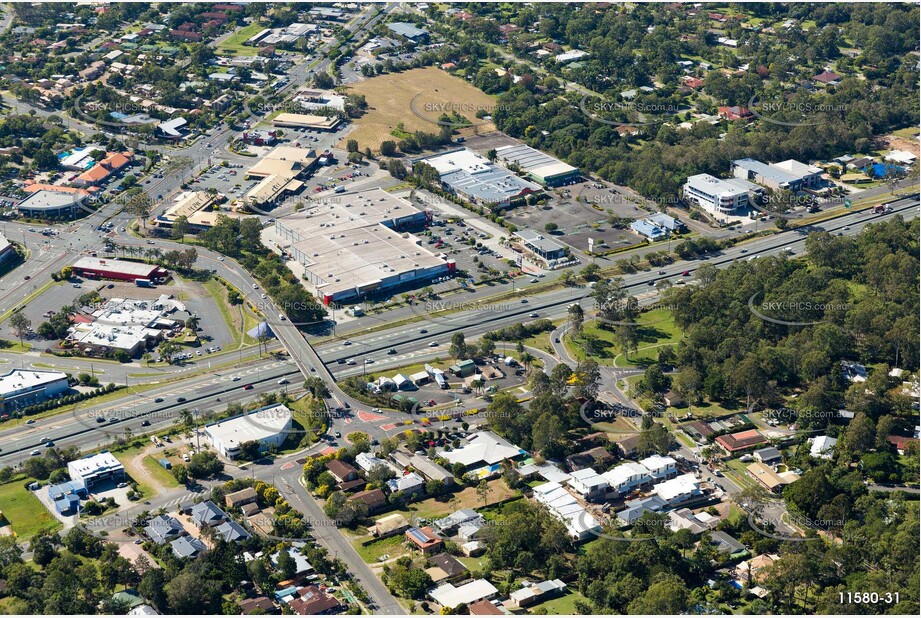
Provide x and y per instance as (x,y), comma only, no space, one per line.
(26,514)
(391,99)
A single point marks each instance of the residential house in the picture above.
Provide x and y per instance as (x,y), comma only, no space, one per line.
(484,608)
(187,547)
(598,456)
(232,532)
(588,484)
(341,471)
(639,507)
(530,594)
(389,526)
(311,601)
(768,455)
(741,441)
(679,490)
(371,498)
(822,447)
(161,529)
(237,499)
(734,112)
(450,565)
(771,480)
(450,596)
(410,484)
(627,476)
(424,539)
(726,544)
(828,78)
(660,467)
(450,524)
(259,605)
(208,514)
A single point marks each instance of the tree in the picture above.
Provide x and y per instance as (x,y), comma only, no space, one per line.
(458,348)
(180,228)
(667,595)
(287,566)
(482,491)
(188,593)
(152,588)
(351,145)
(168,350)
(576,318)
(388,148)
(20,324)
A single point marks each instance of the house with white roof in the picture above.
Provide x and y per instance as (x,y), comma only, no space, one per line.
(660,466)
(678,490)
(580,524)
(450,596)
(822,447)
(483,449)
(627,476)
(588,483)
(408,484)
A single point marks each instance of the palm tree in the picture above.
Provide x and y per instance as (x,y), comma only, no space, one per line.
(192,322)
(526,359)
(146,358)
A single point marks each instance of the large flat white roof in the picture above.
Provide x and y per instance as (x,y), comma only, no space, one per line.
(17,380)
(115,266)
(258,425)
(534,161)
(343,240)
(711,185)
(89,466)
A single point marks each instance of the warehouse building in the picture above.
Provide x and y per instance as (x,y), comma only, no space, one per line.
(20,388)
(356,244)
(477,179)
(94,469)
(538,166)
(307,121)
(770,176)
(120,270)
(269,426)
(409,31)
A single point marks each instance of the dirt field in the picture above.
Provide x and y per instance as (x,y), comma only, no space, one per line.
(897,142)
(416,98)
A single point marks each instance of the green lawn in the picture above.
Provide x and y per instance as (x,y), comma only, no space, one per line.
(27,515)
(234,45)
(161,474)
(656,329)
(564,605)
(371,552)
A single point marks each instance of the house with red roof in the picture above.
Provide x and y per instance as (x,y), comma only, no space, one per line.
(741,441)
(734,112)
(828,78)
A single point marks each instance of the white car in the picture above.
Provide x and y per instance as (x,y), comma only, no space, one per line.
(263,295)
(532,315)
(433,344)
(283,381)
(346,342)
(255,287)
(351,361)
(220,259)
(235,379)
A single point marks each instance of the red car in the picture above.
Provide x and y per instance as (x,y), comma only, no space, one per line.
(248,387)
(686,273)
